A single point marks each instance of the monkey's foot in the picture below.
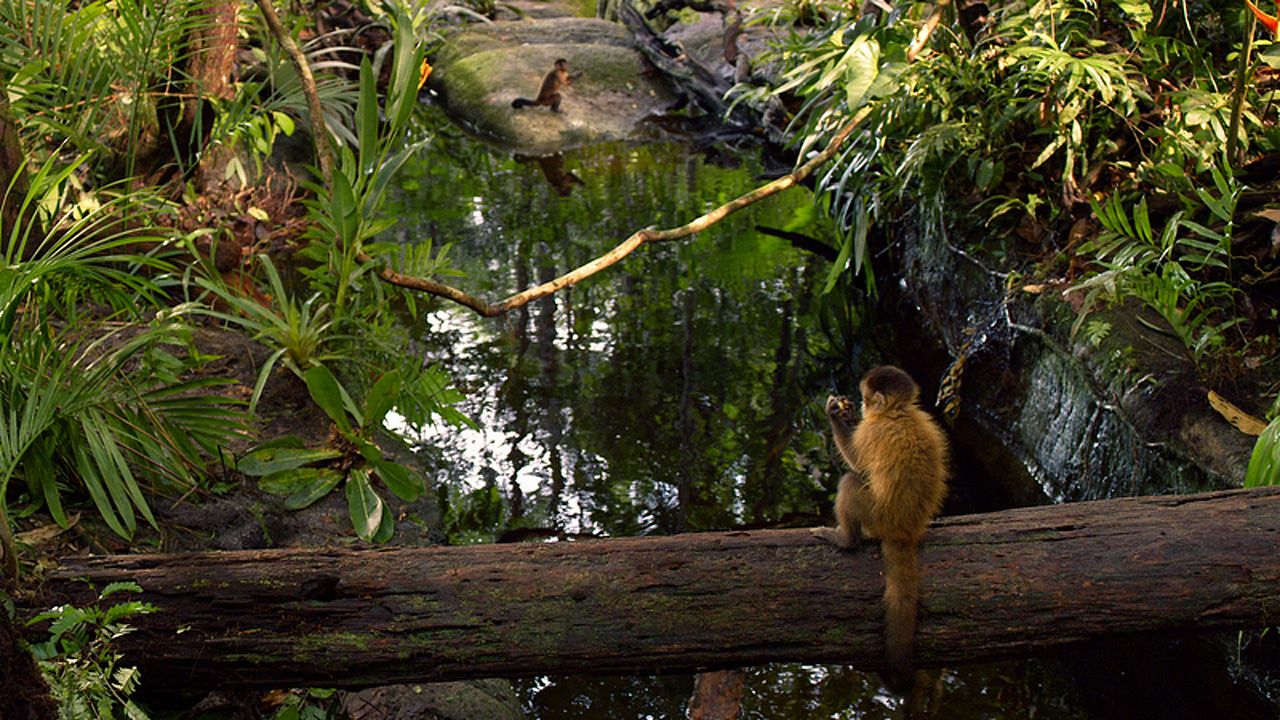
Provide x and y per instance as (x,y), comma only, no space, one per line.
(837,536)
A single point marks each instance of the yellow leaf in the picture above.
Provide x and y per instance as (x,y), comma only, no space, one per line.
(1243,421)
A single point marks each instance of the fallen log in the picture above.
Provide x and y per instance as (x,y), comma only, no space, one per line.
(995,585)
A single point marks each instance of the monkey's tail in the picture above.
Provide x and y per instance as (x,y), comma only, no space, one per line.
(523,102)
(901,598)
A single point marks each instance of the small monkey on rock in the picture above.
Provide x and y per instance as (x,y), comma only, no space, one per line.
(897,458)
(549,93)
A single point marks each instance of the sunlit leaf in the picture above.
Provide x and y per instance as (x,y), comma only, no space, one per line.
(264,461)
(363,504)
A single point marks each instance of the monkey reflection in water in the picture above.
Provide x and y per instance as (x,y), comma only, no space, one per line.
(552,167)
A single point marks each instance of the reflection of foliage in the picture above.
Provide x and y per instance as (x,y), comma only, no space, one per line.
(644,398)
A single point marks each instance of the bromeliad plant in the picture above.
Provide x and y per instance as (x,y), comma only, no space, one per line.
(300,335)
(305,475)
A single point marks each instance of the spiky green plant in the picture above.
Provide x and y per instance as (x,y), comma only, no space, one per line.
(95,402)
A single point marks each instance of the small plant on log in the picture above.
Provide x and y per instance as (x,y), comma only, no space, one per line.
(77,660)
(304,475)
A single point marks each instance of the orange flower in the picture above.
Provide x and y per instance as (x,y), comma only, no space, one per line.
(425,72)
(1270,22)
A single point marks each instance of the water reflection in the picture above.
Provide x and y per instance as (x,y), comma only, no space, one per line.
(662,395)
(675,391)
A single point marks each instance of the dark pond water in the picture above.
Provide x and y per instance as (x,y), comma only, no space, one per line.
(677,391)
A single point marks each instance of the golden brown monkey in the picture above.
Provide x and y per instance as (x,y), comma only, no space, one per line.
(897,458)
(549,93)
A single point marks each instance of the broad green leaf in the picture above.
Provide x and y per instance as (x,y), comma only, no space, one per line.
(363,504)
(303,486)
(368,450)
(404,482)
(265,461)
(381,398)
(328,394)
(291,480)
(283,121)
(862,65)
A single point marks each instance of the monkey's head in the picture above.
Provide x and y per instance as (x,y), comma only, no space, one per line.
(562,64)
(887,387)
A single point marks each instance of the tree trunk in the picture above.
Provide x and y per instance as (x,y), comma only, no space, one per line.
(24,695)
(18,225)
(995,585)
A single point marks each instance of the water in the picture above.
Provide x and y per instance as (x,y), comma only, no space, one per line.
(679,390)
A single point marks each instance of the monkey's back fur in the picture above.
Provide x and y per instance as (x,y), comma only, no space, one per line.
(902,454)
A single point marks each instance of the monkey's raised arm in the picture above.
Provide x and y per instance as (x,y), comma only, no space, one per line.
(840,410)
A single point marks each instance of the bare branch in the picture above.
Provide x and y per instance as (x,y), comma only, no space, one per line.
(926,30)
(324,152)
(637,239)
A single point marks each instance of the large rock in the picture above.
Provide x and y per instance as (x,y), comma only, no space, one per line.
(484,67)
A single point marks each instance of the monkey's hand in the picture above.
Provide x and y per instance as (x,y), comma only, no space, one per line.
(841,411)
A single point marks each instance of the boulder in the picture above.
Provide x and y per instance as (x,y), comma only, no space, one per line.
(484,67)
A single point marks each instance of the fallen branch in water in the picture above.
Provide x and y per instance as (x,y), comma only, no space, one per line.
(628,246)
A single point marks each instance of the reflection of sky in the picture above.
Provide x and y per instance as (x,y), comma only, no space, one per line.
(475,456)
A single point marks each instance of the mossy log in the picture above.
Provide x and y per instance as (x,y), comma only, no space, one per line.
(995,585)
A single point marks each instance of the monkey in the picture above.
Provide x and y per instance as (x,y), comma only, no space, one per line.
(897,458)
(549,93)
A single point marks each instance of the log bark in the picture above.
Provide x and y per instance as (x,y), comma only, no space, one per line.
(995,585)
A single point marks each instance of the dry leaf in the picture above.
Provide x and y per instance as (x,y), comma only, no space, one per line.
(1243,421)
(45,533)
